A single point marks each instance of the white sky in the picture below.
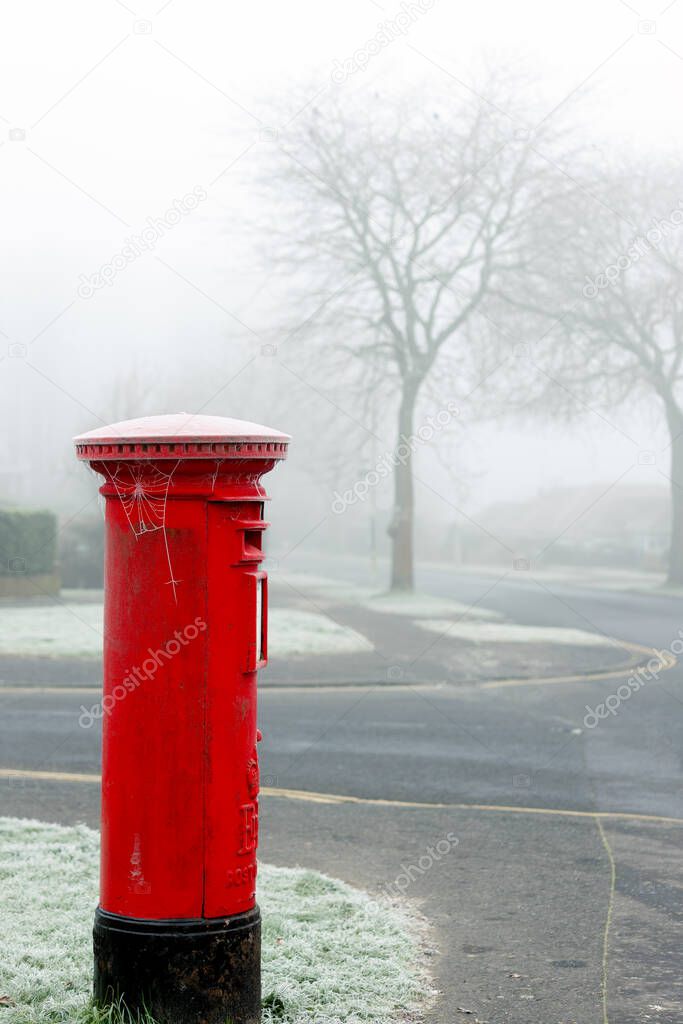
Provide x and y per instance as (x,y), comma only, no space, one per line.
(128,107)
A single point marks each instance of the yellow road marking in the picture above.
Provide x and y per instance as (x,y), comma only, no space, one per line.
(336,798)
(80,690)
(96,691)
(665,657)
(667,660)
(349,687)
(608,919)
(20,773)
(340,798)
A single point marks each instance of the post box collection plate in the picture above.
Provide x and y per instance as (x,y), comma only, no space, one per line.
(177,930)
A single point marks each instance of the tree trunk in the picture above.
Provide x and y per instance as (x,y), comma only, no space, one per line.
(402,527)
(675,420)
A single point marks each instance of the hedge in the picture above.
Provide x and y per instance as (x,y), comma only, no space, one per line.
(28,542)
(81,553)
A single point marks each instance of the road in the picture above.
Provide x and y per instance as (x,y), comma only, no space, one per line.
(543,906)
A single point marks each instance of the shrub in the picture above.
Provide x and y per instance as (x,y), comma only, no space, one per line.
(81,553)
(28,541)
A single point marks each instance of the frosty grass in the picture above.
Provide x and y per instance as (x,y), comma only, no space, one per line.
(329,954)
(512,633)
(74,629)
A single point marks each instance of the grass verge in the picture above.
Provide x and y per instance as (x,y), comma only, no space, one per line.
(331,955)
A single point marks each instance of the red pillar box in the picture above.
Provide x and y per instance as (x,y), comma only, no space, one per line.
(177,930)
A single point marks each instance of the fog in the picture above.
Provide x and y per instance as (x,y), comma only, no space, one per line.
(113,114)
(439,245)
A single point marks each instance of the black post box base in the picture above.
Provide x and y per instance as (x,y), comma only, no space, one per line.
(180,972)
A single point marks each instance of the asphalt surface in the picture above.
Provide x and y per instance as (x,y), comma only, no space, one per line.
(532,910)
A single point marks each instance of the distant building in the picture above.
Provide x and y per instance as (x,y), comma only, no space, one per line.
(623,526)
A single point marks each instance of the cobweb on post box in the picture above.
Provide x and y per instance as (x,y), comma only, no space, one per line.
(143,492)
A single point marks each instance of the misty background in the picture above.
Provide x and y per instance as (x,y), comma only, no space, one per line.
(112,114)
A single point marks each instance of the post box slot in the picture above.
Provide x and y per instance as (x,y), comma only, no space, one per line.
(259,620)
(257,651)
(252,543)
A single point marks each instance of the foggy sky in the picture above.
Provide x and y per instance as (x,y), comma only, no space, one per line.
(127,109)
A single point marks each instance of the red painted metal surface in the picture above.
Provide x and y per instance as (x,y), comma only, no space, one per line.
(185,634)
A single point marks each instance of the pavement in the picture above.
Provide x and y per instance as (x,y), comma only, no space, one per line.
(635,581)
(561,900)
(402,651)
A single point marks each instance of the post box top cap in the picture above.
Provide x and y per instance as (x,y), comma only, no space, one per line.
(182,435)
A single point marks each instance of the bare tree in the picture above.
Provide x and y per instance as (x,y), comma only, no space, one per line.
(401,217)
(613,292)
